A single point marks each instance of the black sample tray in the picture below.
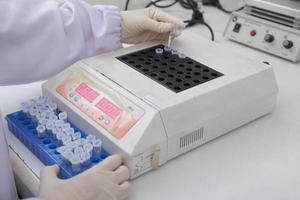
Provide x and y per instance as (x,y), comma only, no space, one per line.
(177,74)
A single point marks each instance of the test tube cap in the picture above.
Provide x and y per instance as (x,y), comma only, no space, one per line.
(90,138)
(181,55)
(159,51)
(63,116)
(166,48)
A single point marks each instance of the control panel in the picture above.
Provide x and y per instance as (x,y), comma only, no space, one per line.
(274,38)
(109,109)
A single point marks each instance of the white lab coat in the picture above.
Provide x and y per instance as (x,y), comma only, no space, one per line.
(39,39)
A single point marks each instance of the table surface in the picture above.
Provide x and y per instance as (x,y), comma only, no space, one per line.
(260,160)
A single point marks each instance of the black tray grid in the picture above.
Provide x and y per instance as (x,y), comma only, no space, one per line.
(169,70)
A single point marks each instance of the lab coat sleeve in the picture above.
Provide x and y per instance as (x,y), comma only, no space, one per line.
(7,183)
(39,38)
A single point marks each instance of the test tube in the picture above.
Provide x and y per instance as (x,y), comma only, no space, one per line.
(49,127)
(62,149)
(82,141)
(52,106)
(97,144)
(85,159)
(76,135)
(78,150)
(69,131)
(66,126)
(159,51)
(73,144)
(174,52)
(53,117)
(59,137)
(166,48)
(67,156)
(63,116)
(66,139)
(90,138)
(181,55)
(33,113)
(75,161)
(25,107)
(88,147)
(59,124)
(43,121)
(171,37)
(41,131)
(55,131)
(47,114)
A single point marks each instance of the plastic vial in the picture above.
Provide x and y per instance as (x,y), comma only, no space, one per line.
(76,135)
(171,36)
(85,159)
(43,122)
(33,113)
(69,131)
(52,106)
(73,145)
(90,138)
(25,107)
(66,139)
(159,51)
(75,161)
(49,127)
(63,116)
(59,123)
(78,150)
(62,149)
(66,126)
(47,113)
(82,141)
(174,52)
(55,131)
(59,136)
(166,48)
(41,131)
(181,55)
(97,144)
(67,156)
(88,147)
(53,118)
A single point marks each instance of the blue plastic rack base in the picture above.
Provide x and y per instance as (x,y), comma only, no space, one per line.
(45,149)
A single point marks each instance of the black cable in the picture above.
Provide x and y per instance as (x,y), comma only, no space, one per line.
(154,3)
(217,4)
(197,16)
(126,4)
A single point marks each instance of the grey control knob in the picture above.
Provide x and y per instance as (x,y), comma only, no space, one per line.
(287,44)
(269,38)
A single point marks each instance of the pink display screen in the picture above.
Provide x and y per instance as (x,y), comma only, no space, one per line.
(108,108)
(88,93)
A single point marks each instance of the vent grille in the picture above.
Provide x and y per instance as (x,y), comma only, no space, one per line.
(274,17)
(191,138)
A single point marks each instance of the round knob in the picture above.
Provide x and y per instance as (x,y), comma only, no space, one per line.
(287,44)
(269,38)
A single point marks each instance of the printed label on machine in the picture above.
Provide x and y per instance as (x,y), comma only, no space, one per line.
(111,110)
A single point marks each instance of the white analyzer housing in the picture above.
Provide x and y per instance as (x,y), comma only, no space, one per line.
(147,122)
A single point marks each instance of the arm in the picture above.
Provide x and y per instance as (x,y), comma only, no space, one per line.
(42,38)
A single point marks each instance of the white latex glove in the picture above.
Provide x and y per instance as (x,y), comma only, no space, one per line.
(105,181)
(147,24)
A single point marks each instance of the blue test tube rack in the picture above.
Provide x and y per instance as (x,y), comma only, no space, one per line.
(45,149)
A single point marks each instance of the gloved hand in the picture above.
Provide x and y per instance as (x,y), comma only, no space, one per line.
(105,181)
(147,24)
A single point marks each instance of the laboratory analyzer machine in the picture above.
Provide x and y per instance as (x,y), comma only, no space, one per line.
(151,104)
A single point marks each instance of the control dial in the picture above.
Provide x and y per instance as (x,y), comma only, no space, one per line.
(287,44)
(269,38)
